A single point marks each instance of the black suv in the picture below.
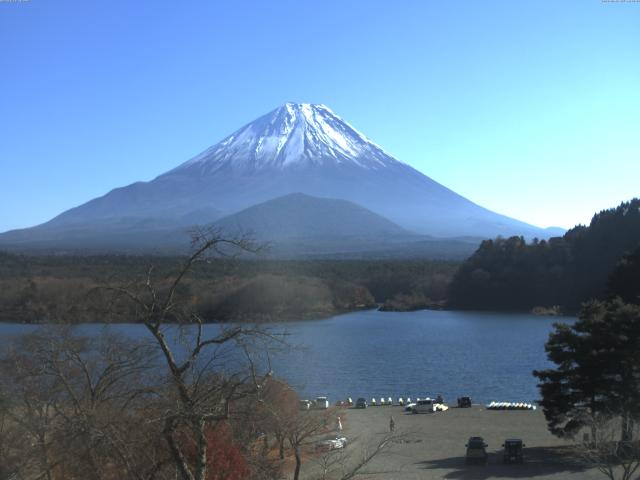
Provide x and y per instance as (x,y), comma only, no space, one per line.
(513,450)
(476,451)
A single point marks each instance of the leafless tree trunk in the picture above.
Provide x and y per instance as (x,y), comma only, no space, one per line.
(616,459)
(202,397)
(301,428)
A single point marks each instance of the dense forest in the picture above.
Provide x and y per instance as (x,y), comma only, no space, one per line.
(511,274)
(67,288)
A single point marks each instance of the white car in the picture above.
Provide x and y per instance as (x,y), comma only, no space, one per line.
(425,405)
(322,403)
(331,444)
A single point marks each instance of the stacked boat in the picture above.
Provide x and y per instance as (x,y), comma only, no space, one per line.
(510,406)
(440,407)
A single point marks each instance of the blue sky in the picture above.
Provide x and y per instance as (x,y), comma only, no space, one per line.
(530,109)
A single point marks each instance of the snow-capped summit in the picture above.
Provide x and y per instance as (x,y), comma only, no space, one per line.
(292,135)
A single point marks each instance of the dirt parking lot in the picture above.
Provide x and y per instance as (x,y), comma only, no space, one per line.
(434,446)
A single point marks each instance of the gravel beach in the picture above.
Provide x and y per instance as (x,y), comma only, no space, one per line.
(434,444)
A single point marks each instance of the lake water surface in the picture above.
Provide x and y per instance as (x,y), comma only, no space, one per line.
(488,356)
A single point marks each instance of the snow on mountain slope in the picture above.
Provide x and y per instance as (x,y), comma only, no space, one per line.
(293,135)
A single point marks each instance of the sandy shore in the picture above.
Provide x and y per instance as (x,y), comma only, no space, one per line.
(434,446)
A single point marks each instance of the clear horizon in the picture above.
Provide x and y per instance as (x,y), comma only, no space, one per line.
(529,110)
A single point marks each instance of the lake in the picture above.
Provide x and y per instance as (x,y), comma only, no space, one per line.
(487,356)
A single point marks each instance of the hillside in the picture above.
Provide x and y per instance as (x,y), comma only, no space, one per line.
(511,274)
(302,226)
(300,216)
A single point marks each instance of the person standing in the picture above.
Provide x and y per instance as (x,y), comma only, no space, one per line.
(339,425)
(392,424)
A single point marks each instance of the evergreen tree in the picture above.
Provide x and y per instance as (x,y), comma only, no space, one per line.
(624,282)
(597,369)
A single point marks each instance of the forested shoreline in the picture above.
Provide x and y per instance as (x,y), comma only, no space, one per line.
(560,273)
(73,288)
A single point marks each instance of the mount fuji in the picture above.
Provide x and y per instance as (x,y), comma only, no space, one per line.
(296,148)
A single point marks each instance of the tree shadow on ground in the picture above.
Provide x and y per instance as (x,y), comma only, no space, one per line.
(538,461)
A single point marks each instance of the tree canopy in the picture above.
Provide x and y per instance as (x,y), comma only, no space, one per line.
(511,274)
(597,369)
(625,279)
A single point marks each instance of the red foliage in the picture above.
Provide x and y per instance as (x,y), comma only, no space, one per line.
(281,398)
(225,460)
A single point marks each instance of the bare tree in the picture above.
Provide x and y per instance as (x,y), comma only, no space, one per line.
(274,412)
(74,401)
(12,441)
(202,385)
(347,464)
(303,427)
(616,459)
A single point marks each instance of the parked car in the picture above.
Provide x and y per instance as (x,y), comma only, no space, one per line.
(361,403)
(425,405)
(409,407)
(322,403)
(476,451)
(305,404)
(464,402)
(513,450)
(331,444)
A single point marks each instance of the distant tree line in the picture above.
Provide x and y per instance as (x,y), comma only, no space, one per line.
(511,274)
(66,289)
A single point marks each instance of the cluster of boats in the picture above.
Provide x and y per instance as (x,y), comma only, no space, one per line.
(419,405)
(402,402)
(388,402)
(510,406)
(435,405)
